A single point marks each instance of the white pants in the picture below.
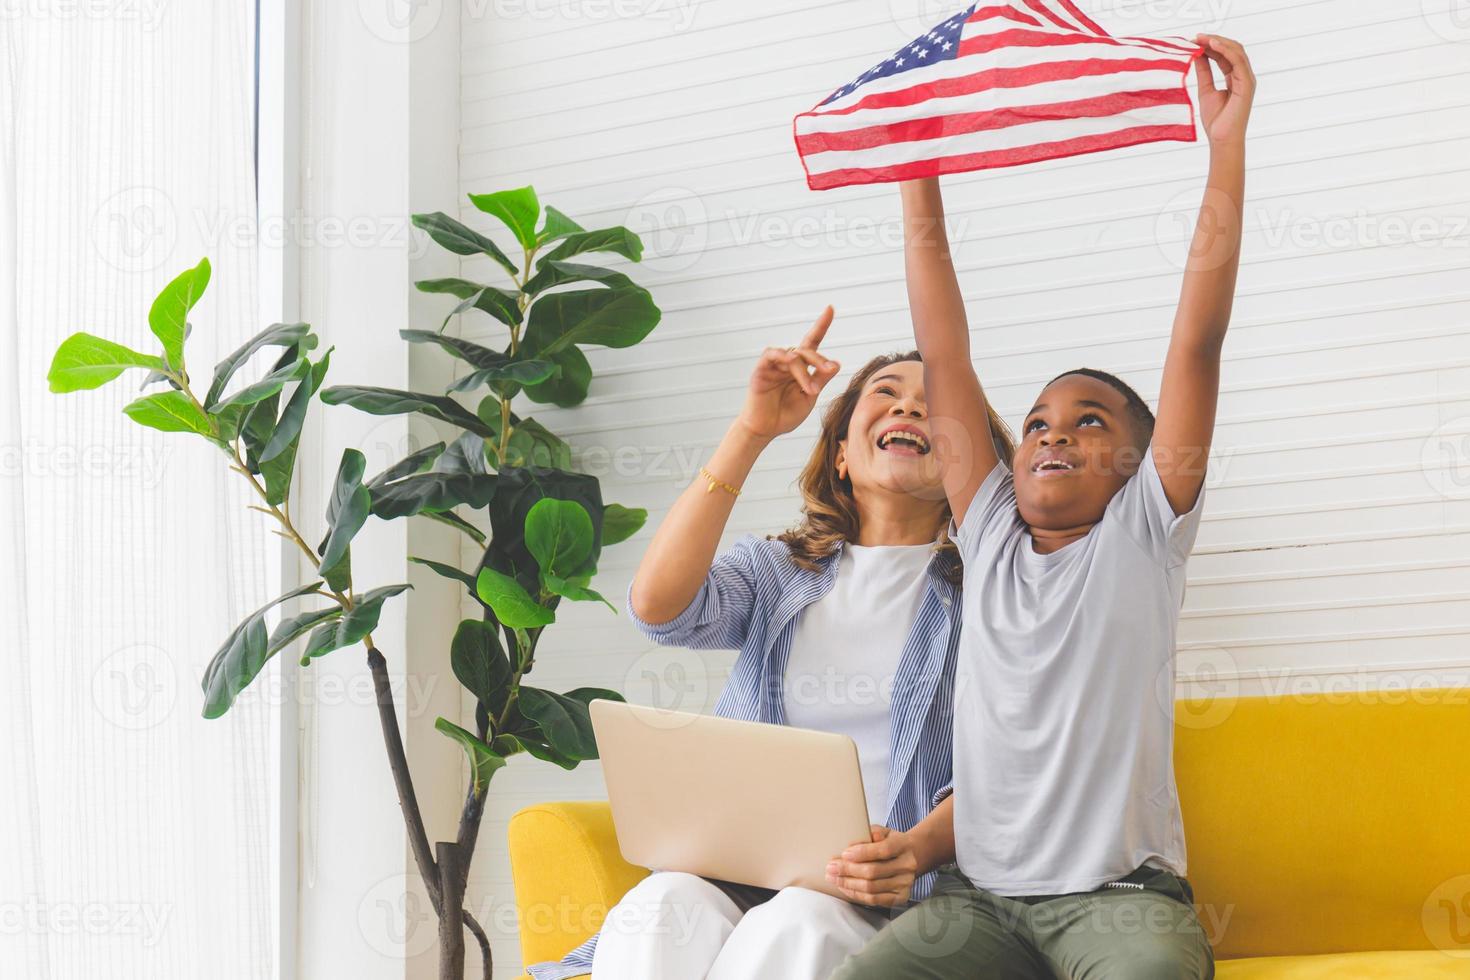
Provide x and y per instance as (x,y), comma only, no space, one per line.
(677,926)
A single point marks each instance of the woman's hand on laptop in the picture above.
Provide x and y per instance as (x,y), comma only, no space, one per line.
(878,873)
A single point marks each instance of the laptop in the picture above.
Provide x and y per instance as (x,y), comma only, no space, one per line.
(740,801)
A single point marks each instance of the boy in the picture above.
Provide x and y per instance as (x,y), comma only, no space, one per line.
(1069,843)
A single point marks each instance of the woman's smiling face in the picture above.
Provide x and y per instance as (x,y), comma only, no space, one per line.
(1078,447)
(888,448)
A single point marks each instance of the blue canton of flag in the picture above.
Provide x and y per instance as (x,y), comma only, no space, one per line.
(940,44)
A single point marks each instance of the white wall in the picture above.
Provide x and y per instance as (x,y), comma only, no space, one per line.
(378,116)
(1333,549)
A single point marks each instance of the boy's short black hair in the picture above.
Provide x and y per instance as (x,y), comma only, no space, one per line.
(1138,410)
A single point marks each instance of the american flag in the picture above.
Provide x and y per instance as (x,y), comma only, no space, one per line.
(999,84)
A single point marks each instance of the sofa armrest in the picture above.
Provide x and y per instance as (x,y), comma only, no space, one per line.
(568,873)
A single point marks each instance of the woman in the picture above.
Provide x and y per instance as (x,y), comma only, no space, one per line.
(847,623)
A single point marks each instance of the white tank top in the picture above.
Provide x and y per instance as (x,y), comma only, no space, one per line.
(845,652)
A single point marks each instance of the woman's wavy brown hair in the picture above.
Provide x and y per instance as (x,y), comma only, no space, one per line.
(829,511)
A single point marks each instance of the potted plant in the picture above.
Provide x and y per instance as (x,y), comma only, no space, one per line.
(547,522)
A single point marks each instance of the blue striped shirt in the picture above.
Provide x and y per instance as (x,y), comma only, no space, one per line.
(749,602)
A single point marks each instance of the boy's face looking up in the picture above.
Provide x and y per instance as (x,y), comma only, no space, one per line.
(1079,445)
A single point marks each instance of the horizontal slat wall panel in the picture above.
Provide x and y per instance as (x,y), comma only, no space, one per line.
(1334,543)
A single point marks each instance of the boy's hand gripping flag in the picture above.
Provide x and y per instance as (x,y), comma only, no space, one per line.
(999,84)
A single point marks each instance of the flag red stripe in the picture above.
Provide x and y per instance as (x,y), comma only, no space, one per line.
(1159,42)
(975,122)
(1083,19)
(1001,158)
(1022,38)
(1044,11)
(1009,13)
(1056,71)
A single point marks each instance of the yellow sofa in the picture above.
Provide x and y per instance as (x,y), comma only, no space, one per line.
(1328,834)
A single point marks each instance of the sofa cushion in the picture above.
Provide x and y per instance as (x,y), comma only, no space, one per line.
(1416,965)
(1330,823)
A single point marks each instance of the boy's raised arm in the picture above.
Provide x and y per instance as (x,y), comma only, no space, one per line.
(1190,388)
(957,411)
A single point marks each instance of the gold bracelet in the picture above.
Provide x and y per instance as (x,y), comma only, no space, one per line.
(716,482)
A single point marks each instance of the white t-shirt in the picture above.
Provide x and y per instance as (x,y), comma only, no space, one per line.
(1063,732)
(846,649)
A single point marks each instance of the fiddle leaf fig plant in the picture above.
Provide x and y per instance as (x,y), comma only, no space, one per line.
(535,525)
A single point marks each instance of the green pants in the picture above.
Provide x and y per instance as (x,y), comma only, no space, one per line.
(961,932)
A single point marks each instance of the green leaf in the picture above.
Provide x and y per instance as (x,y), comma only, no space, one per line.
(509,744)
(511,603)
(586,695)
(169,411)
(461,239)
(229,422)
(408,465)
(347,512)
(611,317)
(464,455)
(479,661)
(435,492)
(518,209)
(86,361)
(171,309)
(575,589)
(502,304)
(475,354)
(532,444)
(159,377)
(507,379)
(557,226)
(353,627)
(483,760)
(255,428)
(458,523)
(277,458)
(563,720)
(462,288)
(391,401)
(297,335)
(619,240)
(551,274)
(519,490)
(620,523)
(569,386)
(241,657)
(322,642)
(559,536)
(288,427)
(449,572)
(258,420)
(268,385)
(295,627)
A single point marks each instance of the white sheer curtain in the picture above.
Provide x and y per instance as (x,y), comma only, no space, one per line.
(137,840)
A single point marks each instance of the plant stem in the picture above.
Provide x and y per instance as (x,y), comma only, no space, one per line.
(523,302)
(445,879)
(469,825)
(486,962)
(451,917)
(418,838)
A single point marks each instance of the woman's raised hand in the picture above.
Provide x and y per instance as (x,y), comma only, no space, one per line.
(785,384)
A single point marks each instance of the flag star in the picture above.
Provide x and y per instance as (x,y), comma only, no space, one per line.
(947,45)
(923,53)
(898,62)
